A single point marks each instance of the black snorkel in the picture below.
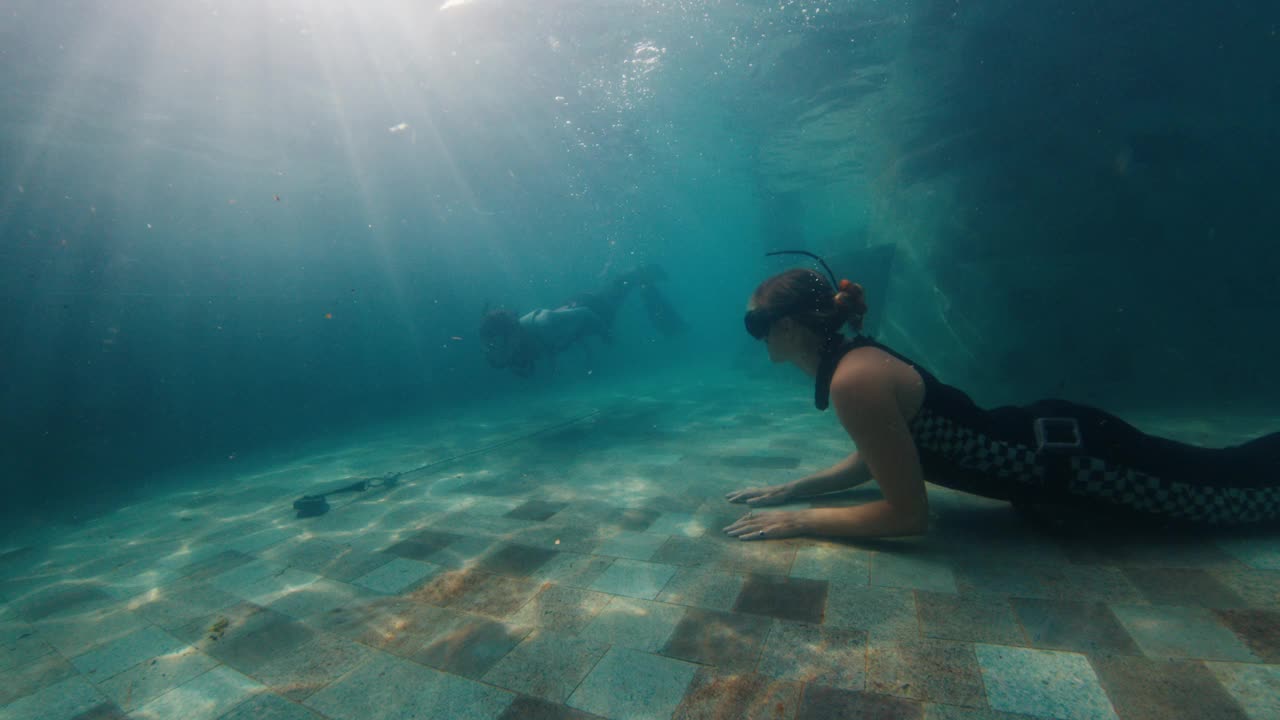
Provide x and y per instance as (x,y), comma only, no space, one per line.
(835,284)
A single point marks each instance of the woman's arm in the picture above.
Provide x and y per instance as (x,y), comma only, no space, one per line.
(864,399)
(845,474)
(848,473)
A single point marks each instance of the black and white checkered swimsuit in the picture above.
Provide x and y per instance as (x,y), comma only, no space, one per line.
(994,453)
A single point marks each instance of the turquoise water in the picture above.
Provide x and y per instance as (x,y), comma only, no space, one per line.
(245,248)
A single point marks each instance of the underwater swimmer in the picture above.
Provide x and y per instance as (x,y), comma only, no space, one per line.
(909,428)
(521,342)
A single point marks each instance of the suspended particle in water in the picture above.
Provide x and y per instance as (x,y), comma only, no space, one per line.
(328,316)
(277,197)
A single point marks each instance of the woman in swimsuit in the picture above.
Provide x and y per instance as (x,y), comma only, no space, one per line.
(909,428)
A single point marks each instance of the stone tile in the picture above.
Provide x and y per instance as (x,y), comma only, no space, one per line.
(211,567)
(531,708)
(464,553)
(115,657)
(465,644)
(572,569)
(952,712)
(1164,689)
(690,552)
(915,571)
(1186,550)
(1076,626)
(179,604)
(631,545)
(515,560)
(680,524)
(249,637)
(885,613)
(766,558)
(999,578)
(632,623)
(1182,586)
(300,674)
(407,690)
(77,634)
(968,618)
(1091,582)
(720,696)
(496,507)
(20,645)
(495,526)
(785,598)
(537,510)
(396,625)
(207,697)
(1181,632)
(1258,552)
(562,609)
(64,599)
(65,700)
(137,578)
(823,703)
(398,576)
(547,665)
(337,561)
(565,538)
(631,684)
(256,542)
(730,641)
(102,711)
(1047,683)
(939,671)
(319,598)
(147,681)
(496,596)
(816,654)
(1256,688)
(33,675)
(422,545)
(833,563)
(700,587)
(1259,629)
(250,579)
(270,707)
(634,519)
(634,578)
(1258,588)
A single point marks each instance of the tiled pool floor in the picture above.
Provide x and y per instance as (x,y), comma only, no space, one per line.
(582,573)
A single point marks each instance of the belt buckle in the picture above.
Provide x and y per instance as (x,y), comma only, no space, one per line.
(1057,433)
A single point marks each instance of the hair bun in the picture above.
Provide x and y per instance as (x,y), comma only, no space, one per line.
(854,300)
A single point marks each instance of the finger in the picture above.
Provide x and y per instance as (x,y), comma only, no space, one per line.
(739,528)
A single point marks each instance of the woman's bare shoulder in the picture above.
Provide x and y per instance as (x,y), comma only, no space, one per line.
(871,377)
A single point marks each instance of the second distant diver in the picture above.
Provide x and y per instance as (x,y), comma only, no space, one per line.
(520,342)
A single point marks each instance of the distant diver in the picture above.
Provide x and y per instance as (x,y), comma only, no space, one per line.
(1047,458)
(520,342)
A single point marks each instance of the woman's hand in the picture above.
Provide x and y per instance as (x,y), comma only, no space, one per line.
(760,497)
(769,525)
